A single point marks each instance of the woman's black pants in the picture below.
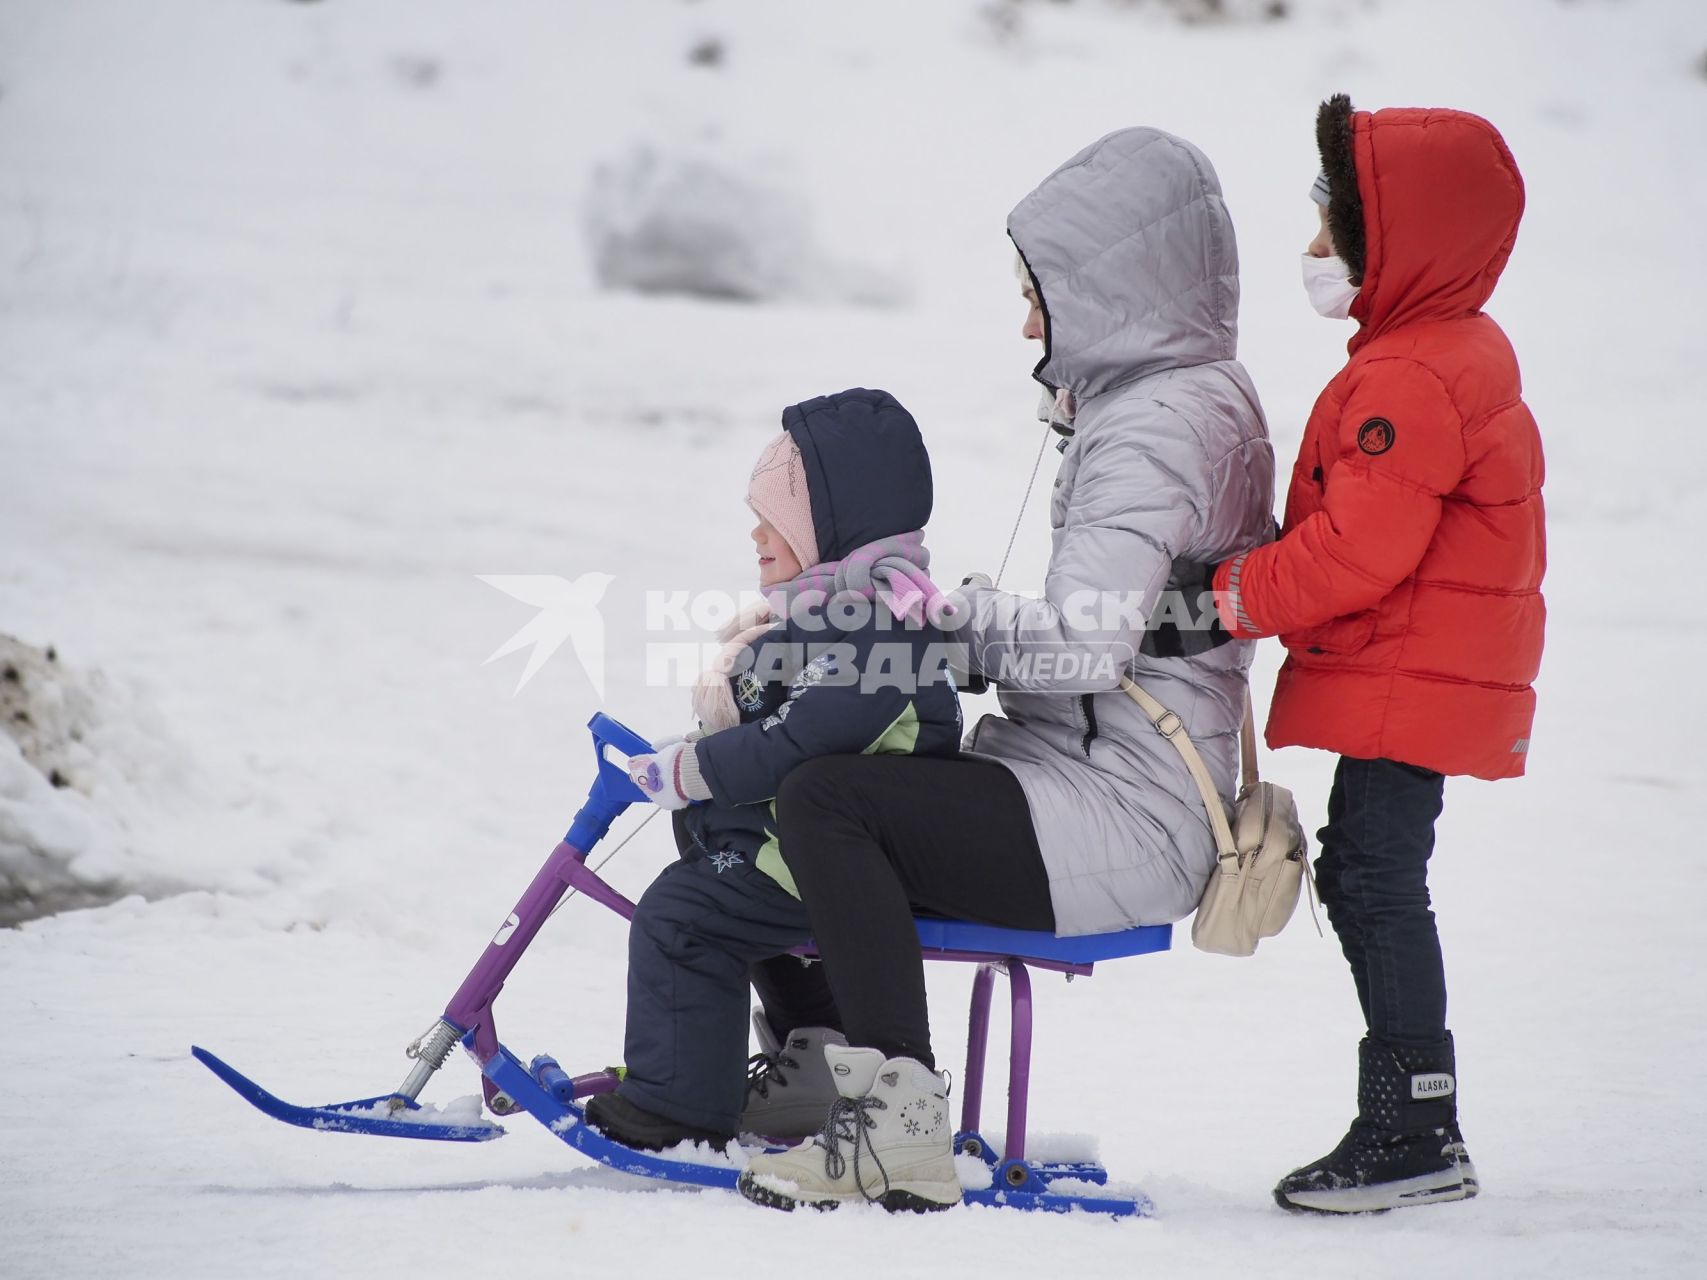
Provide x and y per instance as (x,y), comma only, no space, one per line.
(873,840)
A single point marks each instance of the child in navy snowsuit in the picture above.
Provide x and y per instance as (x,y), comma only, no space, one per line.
(845,660)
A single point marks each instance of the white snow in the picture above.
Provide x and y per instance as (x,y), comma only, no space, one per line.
(1054,1148)
(466,1110)
(974,1174)
(299,334)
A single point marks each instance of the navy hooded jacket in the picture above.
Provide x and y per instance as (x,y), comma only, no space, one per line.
(816,689)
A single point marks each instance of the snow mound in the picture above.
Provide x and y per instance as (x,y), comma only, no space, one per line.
(974,1174)
(659,222)
(72,748)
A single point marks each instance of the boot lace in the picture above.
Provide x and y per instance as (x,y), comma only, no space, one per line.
(765,1069)
(850,1122)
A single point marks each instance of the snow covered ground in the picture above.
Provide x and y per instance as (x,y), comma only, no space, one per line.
(299,334)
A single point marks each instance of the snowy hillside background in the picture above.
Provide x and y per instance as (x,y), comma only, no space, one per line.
(310,313)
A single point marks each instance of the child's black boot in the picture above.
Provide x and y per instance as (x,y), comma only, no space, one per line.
(621,1121)
(1404,1148)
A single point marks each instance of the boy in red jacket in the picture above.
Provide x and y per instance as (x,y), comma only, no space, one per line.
(1405,586)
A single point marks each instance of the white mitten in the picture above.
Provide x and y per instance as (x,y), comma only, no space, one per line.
(670,777)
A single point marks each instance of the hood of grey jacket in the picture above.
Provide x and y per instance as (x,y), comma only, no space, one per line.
(1134,258)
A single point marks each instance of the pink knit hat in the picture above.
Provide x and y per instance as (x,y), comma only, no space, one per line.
(777,492)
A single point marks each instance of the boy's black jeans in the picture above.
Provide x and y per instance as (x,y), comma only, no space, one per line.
(1372,875)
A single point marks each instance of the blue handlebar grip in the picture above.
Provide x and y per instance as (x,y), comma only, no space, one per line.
(613,784)
(612,791)
(618,735)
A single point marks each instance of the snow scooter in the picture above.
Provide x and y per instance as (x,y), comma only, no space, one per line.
(1011,1178)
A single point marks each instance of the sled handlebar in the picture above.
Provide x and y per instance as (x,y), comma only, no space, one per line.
(612,791)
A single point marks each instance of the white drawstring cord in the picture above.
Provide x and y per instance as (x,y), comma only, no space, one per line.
(1048,429)
(637,830)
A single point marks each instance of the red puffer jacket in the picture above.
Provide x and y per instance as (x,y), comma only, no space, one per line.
(1406,581)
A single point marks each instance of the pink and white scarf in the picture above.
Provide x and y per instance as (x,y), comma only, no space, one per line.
(893,570)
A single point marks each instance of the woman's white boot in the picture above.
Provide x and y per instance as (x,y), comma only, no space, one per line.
(888,1138)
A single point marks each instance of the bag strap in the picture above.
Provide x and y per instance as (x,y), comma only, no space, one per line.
(1248,748)
(1172,728)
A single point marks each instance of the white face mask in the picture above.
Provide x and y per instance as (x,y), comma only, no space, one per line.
(1328,282)
(1056,407)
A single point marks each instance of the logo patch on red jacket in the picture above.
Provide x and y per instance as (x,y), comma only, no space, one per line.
(1376,436)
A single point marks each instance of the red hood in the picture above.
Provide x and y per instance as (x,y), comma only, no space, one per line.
(1441,202)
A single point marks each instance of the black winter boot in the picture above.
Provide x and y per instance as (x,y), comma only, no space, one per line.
(1404,1147)
(621,1121)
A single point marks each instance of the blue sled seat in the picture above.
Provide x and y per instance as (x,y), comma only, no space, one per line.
(959,940)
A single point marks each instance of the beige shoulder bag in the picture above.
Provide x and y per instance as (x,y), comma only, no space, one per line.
(1261,865)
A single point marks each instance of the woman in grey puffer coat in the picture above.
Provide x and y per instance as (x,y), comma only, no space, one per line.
(1072,813)
(1132,259)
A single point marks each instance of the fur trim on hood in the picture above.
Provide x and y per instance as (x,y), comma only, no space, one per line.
(1345,206)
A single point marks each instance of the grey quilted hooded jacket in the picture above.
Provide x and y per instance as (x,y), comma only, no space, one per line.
(1133,255)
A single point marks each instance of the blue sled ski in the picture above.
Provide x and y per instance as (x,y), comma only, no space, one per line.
(1048,1188)
(365,1115)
